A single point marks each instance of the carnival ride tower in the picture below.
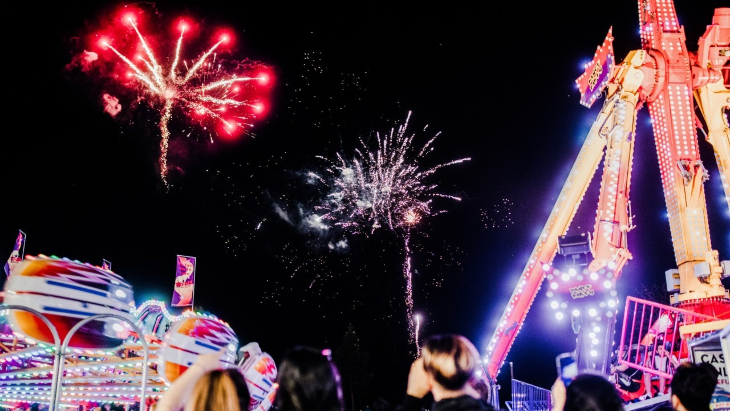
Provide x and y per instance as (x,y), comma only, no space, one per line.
(668,78)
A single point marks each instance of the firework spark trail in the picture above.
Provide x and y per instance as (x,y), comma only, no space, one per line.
(385,186)
(409,287)
(418,329)
(219,100)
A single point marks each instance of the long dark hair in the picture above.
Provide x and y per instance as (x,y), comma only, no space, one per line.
(308,381)
(591,392)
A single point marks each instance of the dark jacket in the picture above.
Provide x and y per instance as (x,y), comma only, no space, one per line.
(463,403)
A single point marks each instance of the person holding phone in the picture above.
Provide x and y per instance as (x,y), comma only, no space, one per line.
(567,367)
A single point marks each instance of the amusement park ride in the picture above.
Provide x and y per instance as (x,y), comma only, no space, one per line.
(672,82)
(70,336)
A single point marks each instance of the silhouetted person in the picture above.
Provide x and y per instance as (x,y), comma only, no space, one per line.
(447,364)
(308,381)
(204,386)
(692,386)
(586,392)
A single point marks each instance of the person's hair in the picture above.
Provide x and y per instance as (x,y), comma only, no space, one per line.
(481,386)
(308,380)
(451,359)
(220,390)
(592,392)
(694,384)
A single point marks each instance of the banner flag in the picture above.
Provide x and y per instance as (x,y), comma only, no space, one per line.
(17,255)
(106,265)
(182,295)
(597,73)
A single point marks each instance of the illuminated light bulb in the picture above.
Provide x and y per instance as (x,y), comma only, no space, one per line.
(572,271)
(554,286)
(554,305)
(545,267)
(563,305)
(611,303)
(576,312)
(594,276)
(594,353)
(559,315)
(591,335)
(607,284)
(549,294)
(565,277)
(597,329)
(595,341)
(592,312)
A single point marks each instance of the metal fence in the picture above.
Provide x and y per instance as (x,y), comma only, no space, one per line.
(527,397)
(648,324)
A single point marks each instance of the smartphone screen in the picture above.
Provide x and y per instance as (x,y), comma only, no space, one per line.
(567,367)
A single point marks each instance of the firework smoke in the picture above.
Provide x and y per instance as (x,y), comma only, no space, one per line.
(382,187)
(203,91)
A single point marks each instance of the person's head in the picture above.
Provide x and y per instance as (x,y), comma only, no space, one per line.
(592,392)
(308,381)
(220,390)
(481,387)
(450,359)
(693,385)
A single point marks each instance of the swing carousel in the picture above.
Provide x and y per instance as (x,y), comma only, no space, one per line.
(71,337)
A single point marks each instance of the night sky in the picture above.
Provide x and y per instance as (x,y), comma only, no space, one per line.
(496,81)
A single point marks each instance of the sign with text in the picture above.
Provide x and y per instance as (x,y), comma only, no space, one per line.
(716,359)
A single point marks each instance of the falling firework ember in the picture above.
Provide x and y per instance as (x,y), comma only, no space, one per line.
(204,91)
(382,187)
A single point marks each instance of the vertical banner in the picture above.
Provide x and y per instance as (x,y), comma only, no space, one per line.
(182,295)
(106,265)
(17,255)
(597,73)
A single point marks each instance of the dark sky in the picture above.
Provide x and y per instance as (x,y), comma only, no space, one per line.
(497,82)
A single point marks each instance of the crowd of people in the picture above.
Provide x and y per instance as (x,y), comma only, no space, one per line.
(446,377)
(692,387)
